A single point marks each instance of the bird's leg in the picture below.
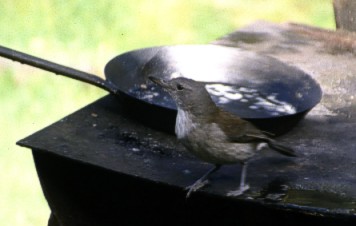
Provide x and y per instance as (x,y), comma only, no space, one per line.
(204,180)
(243,187)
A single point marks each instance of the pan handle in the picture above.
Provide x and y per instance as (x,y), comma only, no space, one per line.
(58,69)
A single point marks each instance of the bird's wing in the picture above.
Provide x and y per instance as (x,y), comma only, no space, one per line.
(239,130)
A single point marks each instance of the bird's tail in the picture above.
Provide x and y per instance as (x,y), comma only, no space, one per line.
(280,148)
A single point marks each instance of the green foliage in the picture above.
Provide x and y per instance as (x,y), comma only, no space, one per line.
(85,34)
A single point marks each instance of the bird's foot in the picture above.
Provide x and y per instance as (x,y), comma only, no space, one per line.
(240,191)
(196,186)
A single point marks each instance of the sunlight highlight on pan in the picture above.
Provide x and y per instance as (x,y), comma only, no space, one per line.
(243,97)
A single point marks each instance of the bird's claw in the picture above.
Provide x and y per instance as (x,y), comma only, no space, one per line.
(196,186)
(240,191)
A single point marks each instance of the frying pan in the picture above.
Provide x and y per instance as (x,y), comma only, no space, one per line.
(258,88)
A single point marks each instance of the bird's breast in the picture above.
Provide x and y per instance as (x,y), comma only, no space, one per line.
(184,124)
(208,142)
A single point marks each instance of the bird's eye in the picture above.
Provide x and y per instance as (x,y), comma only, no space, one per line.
(180,87)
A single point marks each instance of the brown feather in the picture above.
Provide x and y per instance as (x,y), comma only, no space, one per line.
(236,129)
(241,131)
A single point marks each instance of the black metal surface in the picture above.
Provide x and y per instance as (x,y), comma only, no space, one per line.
(108,151)
(83,195)
(255,87)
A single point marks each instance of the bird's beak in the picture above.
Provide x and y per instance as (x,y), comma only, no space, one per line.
(159,82)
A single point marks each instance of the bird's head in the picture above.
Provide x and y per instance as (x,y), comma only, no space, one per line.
(188,94)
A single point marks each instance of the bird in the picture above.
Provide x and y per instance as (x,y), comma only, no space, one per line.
(212,134)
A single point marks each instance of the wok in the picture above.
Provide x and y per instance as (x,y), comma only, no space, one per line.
(258,88)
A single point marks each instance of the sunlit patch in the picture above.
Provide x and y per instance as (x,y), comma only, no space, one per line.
(175,75)
(224,91)
(229,97)
(252,98)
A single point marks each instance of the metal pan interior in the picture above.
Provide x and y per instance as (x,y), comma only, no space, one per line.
(247,84)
